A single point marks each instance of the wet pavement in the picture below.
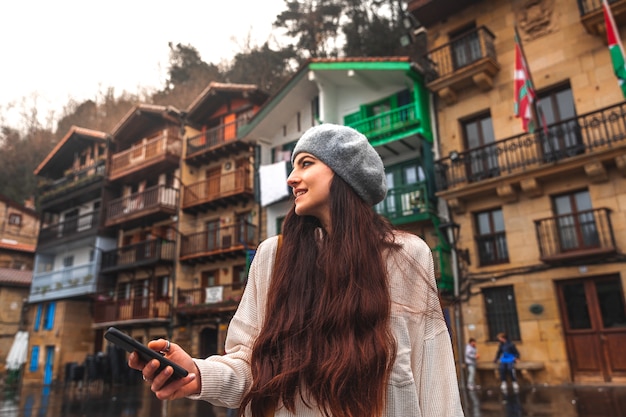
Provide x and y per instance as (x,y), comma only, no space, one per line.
(138,401)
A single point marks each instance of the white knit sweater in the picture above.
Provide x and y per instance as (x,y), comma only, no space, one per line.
(423,380)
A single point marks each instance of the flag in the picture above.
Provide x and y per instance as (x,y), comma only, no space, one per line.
(524,91)
(615,47)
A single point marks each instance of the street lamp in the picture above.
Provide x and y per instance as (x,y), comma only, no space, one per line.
(452,231)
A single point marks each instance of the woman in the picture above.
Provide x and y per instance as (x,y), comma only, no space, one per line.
(343,319)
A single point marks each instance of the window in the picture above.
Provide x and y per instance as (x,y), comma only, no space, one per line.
(68,261)
(239,277)
(405,196)
(501,312)
(491,238)
(315,110)
(209,278)
(34,359)
(15,219)
(465,46)
(558,110)
(48,318)
(575,221)
(163,288)
(37,323)
(479,140)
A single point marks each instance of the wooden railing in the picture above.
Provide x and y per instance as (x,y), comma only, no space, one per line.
(595,131)
(218,186)
(213,295)
(387,123)
(71,181)
(159,196)
(140,253)
(463,51)
(70,227)
(575,235)
(137,308)
(144,153)
(216,136)
(223,239)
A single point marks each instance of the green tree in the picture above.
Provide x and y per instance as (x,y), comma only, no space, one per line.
(314,25)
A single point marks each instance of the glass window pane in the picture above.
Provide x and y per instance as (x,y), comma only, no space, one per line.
(498,221)
(611,303)
(576,306)
(484,227)
(472,135)
(583,201)
(410,174)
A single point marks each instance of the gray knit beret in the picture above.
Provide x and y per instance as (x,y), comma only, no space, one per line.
(349,154)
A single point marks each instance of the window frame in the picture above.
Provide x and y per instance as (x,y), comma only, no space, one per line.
(501,316)
(493,238)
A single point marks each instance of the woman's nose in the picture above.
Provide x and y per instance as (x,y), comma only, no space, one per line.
(292,180)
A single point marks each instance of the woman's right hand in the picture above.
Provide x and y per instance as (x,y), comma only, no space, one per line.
(177,388)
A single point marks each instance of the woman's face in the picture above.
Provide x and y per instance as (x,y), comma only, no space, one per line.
(310,181)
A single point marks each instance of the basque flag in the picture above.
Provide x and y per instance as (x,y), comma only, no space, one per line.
(615,47)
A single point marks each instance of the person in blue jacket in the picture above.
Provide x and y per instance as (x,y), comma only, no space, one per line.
(507,355)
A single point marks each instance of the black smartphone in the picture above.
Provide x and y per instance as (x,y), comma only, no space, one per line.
(145,353)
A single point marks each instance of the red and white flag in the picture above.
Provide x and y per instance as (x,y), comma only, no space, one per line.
(615,47)
(524,91)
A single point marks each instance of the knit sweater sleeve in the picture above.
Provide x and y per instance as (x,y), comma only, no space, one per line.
(226,378)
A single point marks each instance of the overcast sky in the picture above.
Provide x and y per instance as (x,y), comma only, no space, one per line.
(54,50)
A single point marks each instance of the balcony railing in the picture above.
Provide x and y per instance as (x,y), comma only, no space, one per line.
(593,132)
(159,198)
(405,201)
(146,154)
(234,186)
(217,296)
(64,283)
(224,242)
(592,16)
(70,227)
(139,254)
(577,235)
(388,123)
(71,182)
(148,308)
(215,137)
(465,60)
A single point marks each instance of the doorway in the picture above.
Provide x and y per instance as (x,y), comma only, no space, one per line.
(594,326)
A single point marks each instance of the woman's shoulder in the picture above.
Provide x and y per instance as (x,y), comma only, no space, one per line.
(410,242)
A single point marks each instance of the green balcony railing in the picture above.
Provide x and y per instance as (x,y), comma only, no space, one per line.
(387,123)
(405,201)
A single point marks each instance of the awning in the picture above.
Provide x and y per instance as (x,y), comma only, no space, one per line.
(17,355)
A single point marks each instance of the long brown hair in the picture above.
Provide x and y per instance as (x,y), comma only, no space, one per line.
(326,336)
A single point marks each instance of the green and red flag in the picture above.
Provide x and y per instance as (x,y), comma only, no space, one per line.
(524,91)
(615,47)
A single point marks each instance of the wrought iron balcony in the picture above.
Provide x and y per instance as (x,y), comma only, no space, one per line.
(146,253)
(219,190)
(212,245)
(157,154)
(592,16)
(73,227)
(209,299)
(66,282)
(216,143)
(582,235)
(388,124)
(601,133)
(469,59)
(158,202)
(145,309)
(408,201)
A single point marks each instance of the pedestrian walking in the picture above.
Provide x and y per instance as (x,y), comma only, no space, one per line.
(342,318)
(507,355)
(471,354)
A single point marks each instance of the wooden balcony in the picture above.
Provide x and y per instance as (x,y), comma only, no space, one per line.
(592,16)
(142,254)
(215,143)
(70,229)
(406,203)
(586,143)
(153,204)
(215,299)
(469,60)
(219,191)
(392,124)
(75,186)
(577,236)
(219,244)
(137,310)
(159,154)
